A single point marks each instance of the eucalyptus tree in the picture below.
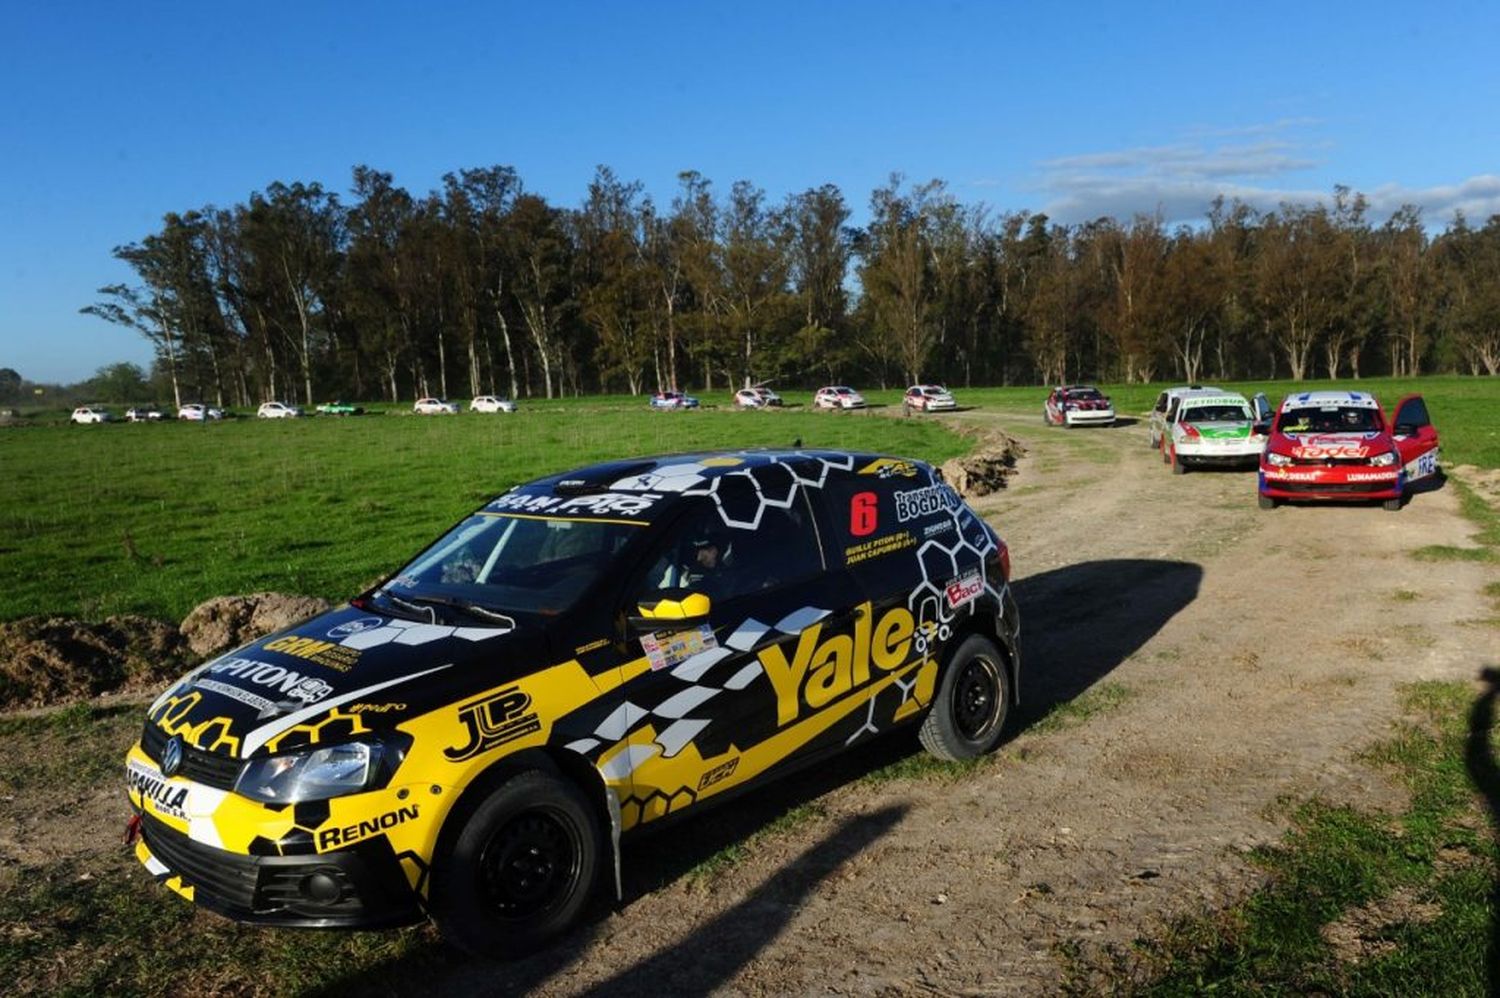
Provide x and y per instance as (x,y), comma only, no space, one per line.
(756,267)
(292,235)
(539,244)
(614,285)
(479,202)
(1409,288)
(377,291)
(897,268)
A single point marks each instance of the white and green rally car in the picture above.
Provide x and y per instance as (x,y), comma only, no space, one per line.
(1212,428)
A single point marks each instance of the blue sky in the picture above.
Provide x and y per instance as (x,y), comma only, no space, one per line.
(116,114)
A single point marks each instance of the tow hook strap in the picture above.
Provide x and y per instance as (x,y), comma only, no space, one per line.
(132,829)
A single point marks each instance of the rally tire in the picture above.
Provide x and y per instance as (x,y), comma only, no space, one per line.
(1394,505)
(972,703)
(521,870)
(1265,502)
(1165,457)
(1178,468)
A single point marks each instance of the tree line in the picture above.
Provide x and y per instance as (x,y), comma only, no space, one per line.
(481,286)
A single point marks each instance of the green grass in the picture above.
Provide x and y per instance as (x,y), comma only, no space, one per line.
(154,519)
(1337,861)
(1484,516)
(1092,702)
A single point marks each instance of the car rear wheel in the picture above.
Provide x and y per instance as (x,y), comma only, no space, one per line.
(1178,468)
(972,703)
(522,868)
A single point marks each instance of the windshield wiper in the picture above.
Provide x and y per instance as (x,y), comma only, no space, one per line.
(426,603)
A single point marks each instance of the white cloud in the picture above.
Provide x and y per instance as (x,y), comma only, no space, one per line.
(1180,180)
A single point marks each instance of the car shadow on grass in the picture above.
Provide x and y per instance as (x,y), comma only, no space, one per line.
(1484,771)
(1080,622)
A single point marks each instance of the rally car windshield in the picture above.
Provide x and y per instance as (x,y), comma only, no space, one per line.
(1330,419)
(1083,396)
(1216,414)
(499,563)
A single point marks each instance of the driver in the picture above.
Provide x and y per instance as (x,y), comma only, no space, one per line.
(704,567)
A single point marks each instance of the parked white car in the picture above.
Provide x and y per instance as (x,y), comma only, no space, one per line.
(838,397)
(90,414)
(277,410)
(198,412)
(435,407)
(491,403)
(1210,428)
(143,414)
(928,398)
(757,398)
(1162,411)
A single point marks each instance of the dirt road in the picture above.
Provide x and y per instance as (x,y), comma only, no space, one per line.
(1207,659)
(1235,657)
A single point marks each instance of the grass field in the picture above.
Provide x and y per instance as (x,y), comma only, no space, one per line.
(155,518)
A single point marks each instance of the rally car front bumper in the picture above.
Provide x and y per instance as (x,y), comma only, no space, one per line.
(359,887)
(1338,484)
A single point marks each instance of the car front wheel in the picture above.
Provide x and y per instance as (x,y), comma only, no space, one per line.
(521,870)
(972,703)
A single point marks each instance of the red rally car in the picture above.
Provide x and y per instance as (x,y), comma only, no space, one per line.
(1340,446)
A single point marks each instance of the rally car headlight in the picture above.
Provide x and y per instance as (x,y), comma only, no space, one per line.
(1383,460)
(318,774)
(1277,460)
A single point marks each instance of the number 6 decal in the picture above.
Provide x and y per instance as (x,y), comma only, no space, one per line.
(864,513)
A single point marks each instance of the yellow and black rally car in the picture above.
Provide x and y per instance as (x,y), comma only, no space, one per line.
(585,655)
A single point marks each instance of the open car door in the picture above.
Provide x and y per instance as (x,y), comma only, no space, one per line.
(1416,439)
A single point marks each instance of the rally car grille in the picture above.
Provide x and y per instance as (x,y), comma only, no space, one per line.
(207,768)
(1333,462)
(1352,488)
(230,878)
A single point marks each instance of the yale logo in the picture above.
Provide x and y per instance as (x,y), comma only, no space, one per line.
(821,671)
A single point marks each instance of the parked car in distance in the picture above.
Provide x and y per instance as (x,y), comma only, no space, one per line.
(198,412)
(673,400)
(584,657)
(491,403)
(838,397)
(277,410)
(435,407)
(1078,405)
(758,397)
(928,398)
(1340,446)
(340,408)
(85,414)
(143,414)
(1212,428)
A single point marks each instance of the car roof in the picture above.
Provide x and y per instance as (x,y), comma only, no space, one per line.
(672,473)
(1206,395)
(1355,400)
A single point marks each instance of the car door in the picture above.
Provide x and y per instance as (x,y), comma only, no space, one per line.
(1416,438)
(714,705)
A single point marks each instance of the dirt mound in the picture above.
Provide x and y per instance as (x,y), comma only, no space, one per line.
(53,659)
(226,621)
(984,469)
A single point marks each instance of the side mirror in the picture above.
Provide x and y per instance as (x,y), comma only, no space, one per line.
(671,610)
(1405,430)
(1263,429)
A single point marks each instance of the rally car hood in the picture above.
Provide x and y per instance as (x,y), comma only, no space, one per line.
(1229,429)
(1332,445)
(387,668)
